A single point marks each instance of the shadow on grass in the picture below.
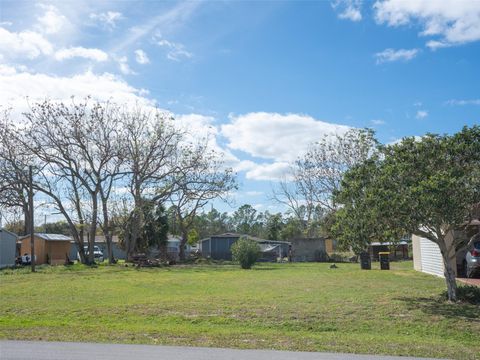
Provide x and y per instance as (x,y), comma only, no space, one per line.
(439,306)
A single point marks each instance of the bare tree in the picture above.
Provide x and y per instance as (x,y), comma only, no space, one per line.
(75,146)
(13,176)
(316,176)
(202,178)
(151,153)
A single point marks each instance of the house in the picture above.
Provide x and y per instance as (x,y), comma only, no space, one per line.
(218,246)
(53,249)
(8,242)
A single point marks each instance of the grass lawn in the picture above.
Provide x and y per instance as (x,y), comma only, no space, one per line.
(301,306)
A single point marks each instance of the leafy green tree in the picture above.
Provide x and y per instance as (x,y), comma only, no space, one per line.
(193,237)
(59,227)
(274,226)
(292,229)
(246,252)
(155,226)
(429,187)
(244,219)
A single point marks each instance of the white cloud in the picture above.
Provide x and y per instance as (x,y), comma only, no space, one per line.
(377,122)
(107,19)
(166,21)
(7,70)
(400,140)
(349,9)
(175,51)
(453,22)
(269,172)
(124,67)
(141,57)
(390,55)
(455,102)
(28,44)
(52,21)
(72,52)
(16,86)
(276,136)
(254,193)
(421,114)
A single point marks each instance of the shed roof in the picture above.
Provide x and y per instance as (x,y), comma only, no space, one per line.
(50,237)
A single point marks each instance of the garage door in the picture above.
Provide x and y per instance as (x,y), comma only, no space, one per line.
(432,262)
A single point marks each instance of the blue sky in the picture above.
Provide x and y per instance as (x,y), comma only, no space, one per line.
(265,78)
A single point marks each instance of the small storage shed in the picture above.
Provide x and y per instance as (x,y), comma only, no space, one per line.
(8,243)
(50,249)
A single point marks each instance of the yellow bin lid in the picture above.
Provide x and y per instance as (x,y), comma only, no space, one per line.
(384,253)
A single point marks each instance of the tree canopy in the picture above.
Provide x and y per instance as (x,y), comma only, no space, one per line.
(429,187)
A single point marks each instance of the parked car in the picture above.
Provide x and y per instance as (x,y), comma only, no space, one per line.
(471,263)
(97,253)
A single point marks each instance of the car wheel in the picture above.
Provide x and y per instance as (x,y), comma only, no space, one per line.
(465,268)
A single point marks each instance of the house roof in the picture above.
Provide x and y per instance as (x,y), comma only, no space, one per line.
(50,237)
(8,232)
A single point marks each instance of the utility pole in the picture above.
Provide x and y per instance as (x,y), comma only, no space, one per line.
(30,205)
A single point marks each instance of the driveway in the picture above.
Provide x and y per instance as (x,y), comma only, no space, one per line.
(475,282)
(26,350)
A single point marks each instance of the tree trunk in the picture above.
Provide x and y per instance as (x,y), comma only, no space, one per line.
(183,242)
(449,272)
(108,239)
(107,232)
(26,219)
(92,230)
(135,223)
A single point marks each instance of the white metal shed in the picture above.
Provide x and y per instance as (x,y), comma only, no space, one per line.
(8,243)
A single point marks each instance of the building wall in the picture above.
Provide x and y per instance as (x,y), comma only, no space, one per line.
(117,252)
(57,251)
(428,258)
(220,247)
(40,251)
(7,249)
(329,246)
(307,249)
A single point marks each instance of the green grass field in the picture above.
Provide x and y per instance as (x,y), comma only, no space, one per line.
(302,306)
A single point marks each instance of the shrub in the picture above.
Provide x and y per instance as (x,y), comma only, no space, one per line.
(246,252)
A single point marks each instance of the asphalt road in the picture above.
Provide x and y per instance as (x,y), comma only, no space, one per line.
(26,350)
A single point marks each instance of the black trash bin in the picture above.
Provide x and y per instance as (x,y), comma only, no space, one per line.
(365,261)
(384,260)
